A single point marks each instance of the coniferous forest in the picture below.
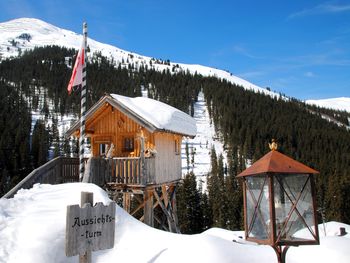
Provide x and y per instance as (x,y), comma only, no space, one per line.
(245,122)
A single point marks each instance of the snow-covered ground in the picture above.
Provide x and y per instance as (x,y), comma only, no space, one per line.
(32,229)
(342,103)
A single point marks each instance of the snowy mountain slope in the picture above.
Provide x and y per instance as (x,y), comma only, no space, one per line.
(199,148)
(342,103)
(26,33)
(32,229)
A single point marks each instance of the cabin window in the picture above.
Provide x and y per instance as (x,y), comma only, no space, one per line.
(177,146)
(103,149)
(128,144)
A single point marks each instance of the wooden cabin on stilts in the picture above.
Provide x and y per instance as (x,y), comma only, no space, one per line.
(136,154)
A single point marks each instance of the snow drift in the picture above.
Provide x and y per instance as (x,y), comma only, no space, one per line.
(32,229)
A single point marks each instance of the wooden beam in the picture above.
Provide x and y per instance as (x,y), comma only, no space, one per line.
(141,205)
(171,222)
(148,208)
(161,224)
(165,195)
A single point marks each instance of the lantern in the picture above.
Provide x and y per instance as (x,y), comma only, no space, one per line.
(279,203)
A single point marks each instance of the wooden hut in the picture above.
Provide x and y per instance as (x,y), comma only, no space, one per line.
(141,140)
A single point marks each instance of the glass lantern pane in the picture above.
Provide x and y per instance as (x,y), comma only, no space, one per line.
(293,206)
(258,213)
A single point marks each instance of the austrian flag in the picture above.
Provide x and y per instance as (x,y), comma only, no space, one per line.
(77,74)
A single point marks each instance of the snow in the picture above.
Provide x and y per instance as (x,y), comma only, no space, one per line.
(32,229)
(342,103)
(159,114)
(202,144)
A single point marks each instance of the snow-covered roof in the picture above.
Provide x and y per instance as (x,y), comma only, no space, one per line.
(151,114)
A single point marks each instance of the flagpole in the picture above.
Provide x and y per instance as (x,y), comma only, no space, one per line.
(83,108)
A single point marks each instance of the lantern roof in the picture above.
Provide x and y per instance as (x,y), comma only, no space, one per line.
(276,162)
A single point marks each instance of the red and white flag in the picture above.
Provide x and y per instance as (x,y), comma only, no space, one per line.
(77,74)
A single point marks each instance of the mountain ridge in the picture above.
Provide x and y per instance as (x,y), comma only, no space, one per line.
(43,34)
(27,33)
(341,103)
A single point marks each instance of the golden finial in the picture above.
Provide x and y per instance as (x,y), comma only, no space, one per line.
(273,145)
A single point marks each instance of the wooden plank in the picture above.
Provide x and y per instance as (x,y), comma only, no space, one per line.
(126,201)
(118,171)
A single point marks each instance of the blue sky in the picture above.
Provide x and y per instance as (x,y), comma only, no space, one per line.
(299,48)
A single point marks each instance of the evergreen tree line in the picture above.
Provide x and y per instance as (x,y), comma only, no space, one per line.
(18,155)
(341,116)
(247,121)
(50,67)
(220,205)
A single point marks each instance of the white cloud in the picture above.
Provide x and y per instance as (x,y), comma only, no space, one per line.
(309,74)
(243,51)
(321,9)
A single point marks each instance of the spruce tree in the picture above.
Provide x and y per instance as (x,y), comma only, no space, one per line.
(189,206)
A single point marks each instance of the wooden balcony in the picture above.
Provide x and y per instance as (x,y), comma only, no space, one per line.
(115,173)
(121,172)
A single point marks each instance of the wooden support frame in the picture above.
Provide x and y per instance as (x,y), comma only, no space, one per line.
(153,196)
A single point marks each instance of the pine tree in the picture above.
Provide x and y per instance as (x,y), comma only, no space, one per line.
(207,213)
(40,144)
(214,190)
(189,206)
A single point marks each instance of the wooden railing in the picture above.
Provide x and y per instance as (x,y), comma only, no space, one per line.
(128,171)
(120,170)
(57,171)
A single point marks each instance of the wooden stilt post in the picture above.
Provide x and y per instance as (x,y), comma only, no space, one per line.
(126,201)
(171,222)
(86,197)
(174,208)
(148,208)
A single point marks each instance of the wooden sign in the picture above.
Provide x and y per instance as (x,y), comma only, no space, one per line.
(89,228)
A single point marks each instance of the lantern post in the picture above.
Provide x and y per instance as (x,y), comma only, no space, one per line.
(280,203)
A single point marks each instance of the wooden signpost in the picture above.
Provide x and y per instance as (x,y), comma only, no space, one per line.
(89,228)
